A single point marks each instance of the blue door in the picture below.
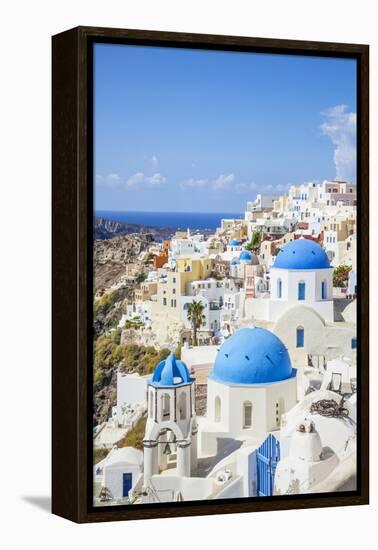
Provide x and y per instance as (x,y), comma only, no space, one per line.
(127,484)
(268,455)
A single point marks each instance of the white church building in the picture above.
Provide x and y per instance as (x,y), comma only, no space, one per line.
(301,274)
(300,308)
(256,439)
(251,385)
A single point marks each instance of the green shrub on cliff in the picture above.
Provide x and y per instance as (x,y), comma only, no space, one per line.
(109,353)
(99,454)
(134,438)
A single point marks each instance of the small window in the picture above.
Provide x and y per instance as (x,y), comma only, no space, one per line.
(182,406)
(217,409)
(324,290)
(301,291)
(151,404)
(279,288)
(165,406)
(300,337)
(354,343)
(164,301)
(247,414)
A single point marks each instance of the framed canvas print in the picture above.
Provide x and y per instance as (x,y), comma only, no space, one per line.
(210,274)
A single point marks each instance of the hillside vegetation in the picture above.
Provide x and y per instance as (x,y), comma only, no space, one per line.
(110,354)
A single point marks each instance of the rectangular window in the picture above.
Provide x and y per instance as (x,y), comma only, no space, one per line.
(247,415)
(300,337)
(164,301)
(354,343)
(324,290)
(301,291)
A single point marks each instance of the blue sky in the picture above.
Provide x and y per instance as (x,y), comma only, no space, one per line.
(194,130)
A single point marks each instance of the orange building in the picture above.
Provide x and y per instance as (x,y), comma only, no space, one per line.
(160,260)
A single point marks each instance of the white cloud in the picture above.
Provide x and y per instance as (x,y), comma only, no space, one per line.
(268,188)
(111,180)
(156,179)
(220,183)
(154,162)
(191,183)
(135,179)
(340,127)
(245,187)
(140,178)
(223,181)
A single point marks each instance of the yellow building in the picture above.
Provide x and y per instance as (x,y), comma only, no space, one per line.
(146,290)
(173,285)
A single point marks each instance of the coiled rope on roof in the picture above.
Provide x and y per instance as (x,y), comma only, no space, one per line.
(329,408)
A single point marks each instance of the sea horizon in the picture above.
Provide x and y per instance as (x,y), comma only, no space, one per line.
(177,220)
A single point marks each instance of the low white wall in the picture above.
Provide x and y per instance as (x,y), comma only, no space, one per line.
(199,355)
(191,488)
(131,389)
(233,489)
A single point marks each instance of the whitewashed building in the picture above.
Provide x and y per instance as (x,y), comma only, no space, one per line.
(251,385)
(119,473)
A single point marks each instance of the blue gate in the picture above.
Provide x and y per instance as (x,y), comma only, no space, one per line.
(127,484)
(268,455)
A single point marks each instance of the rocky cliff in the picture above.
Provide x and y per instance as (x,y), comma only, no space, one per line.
(104,228)
(112,257)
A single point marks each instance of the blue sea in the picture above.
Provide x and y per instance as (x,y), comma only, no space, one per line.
(176,220)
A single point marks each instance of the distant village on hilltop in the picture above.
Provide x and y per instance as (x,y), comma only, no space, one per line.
(225,363)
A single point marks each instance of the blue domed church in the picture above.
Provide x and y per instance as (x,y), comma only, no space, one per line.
(251,385)
(301,275)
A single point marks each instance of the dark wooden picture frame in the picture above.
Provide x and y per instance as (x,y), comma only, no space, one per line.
(72,174)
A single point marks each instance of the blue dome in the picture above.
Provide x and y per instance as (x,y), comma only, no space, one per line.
(170,372)
(302,254)
(234,242)
(252,356)
(245,255)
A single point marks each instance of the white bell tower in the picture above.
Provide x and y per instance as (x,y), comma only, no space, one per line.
(171,421)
